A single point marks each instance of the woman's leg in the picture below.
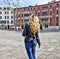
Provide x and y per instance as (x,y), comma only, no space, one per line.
(34,51)
(28,46)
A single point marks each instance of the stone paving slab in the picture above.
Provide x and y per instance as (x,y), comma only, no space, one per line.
(12,45)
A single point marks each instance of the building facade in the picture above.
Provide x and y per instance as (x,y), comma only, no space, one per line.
(49,14)
(6,17)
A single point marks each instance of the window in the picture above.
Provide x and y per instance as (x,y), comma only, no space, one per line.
(0,12)
(18,20)
(26,20)
(39,14)
(8,8)
(26,15)
(38,7)
(0,8)
(0,17)
(22,15)
(44,13)
(50,5)
(18,16)
(44,6)
(30,14)
(28,8)
(24,9)
(2,22)
(57,19)
(11,12)
(11,17)
(7,12)
(50,21)
(7,17)
(8,21)
(34,8)
(11,21)
(4,8)
(31,8)
(44,19)
(57,12)
(50,12)
(57,5)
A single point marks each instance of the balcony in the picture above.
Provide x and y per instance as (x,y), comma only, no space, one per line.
(45,16)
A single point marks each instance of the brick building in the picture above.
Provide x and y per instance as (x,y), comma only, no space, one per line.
(49,14)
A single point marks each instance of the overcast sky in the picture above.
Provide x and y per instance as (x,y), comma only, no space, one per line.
(24,2)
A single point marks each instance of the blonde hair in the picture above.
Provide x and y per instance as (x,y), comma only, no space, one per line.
(34,24)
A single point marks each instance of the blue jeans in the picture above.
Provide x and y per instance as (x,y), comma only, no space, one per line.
(31,49)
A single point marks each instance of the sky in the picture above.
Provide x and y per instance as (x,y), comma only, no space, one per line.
(13,3)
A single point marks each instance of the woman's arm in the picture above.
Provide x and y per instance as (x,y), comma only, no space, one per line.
(38,40)
(24,31)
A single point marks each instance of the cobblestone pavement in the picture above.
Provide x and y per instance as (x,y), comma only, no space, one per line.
(12,45)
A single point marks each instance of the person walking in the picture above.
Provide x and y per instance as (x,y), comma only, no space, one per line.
(31,35)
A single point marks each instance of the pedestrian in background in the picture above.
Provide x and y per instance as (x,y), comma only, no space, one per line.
(31,35)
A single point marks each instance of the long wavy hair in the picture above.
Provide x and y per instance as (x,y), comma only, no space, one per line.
(34,24)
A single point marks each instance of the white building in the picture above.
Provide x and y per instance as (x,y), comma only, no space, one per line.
(6,17)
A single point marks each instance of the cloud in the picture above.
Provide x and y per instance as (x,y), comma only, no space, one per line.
(14,3)
(34,2)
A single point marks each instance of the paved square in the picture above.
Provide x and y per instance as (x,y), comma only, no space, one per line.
(12,45)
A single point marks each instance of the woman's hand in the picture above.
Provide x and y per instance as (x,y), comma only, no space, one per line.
(39,46)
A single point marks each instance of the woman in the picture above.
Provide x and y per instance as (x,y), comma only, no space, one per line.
(30,33)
